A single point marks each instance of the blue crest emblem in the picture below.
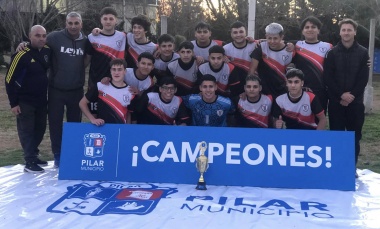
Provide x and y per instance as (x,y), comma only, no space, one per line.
(110,198)
(94,144)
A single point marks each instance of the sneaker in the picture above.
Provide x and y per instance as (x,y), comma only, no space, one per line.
(41,162)
(31,167)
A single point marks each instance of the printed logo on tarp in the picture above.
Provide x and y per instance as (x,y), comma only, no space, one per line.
(256,206)
(110,198)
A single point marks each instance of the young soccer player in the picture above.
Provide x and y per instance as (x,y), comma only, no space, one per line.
(297,108)
(239,49)
(226,75)
(209,109)
(162,108)
(137,41)
(203,41)
(255,109)
(310,56)
(184,69)
(139,77)
(270,60)
(166,47)
(113,99)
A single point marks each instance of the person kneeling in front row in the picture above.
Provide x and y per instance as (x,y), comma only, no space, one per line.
(298,108)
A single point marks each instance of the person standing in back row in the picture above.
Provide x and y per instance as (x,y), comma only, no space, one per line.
(346,76)
(66,79)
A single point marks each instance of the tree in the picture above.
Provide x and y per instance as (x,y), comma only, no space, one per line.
(182,16)
(18,16)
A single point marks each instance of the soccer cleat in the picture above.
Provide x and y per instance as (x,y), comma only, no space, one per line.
(41,162)
(32,167)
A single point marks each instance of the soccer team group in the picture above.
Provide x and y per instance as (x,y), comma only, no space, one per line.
(245,83)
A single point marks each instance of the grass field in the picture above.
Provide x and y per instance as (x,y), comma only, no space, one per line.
(11,152)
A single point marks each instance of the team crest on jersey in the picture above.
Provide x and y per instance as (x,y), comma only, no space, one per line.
(323,49)
(305,107)
(224,77)
(174,111)
(110,198)
(194,76)
(126,98)
(264,107)
(219,112)
(118,43)
(94,144)
(285,57)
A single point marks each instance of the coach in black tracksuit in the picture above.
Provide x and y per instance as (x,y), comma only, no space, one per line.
(346,76)
(26,84)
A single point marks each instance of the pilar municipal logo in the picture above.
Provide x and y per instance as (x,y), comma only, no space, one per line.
(103,198)
(94,144)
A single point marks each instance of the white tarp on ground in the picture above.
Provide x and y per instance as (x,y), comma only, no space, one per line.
(42,201)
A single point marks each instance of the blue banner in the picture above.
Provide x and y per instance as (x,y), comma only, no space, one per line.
(237,156)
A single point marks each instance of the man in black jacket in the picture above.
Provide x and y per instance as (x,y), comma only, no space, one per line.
(26,83)
(346,76)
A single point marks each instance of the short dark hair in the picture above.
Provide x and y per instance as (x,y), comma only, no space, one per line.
(294,72)
(236,25)
(118,61)
(313,20)
(147,55)
(165,38)
(186,45)
(108,10)
(167,80)
(253,77)
(348,21)
(216,49)
(141,20)
(207,77)
(203,25)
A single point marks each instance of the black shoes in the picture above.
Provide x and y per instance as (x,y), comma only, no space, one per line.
(41,162)
(33,167)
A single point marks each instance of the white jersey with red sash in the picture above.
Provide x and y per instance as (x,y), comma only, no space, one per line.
(272,68)
(131,79)
(165,112)
(310,58)
(254,114)
(186,79)
(135,49)
(203,51)
(240,56)
(299,114)
(161,65)
(113,102)
(103,49)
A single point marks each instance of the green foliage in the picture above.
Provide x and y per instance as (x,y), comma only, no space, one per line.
(91,16)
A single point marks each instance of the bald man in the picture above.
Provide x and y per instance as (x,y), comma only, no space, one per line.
(26,84)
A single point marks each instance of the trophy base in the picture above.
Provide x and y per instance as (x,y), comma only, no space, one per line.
(201,186)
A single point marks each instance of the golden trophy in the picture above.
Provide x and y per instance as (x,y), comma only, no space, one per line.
(202,166)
